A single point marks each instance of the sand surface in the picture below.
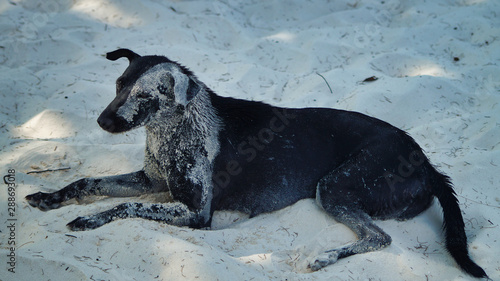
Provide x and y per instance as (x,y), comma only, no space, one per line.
(437,64)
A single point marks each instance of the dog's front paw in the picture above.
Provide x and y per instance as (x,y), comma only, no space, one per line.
(44,201)
(324,260)
(85,223)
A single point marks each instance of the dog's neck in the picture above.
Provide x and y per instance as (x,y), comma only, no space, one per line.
(194,132)
(195,128)
(198,119)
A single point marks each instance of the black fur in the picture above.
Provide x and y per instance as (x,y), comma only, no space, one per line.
(217,153)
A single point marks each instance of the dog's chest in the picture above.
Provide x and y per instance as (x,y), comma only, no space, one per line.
(178,154)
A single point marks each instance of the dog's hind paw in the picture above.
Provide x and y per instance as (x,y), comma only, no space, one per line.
(323,260)
(44,201)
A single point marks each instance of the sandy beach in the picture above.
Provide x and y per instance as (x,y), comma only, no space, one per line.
(431,68)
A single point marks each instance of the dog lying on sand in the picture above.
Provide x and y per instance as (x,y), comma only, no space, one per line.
(217,153)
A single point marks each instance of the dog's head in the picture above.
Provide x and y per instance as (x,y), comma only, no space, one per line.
(150,87)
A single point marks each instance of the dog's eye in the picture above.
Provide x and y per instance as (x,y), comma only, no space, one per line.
(163,89)
(142,95)
(119,84)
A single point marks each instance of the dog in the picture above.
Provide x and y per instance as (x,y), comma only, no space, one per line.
(219,153)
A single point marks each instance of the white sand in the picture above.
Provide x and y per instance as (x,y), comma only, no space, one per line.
(54,83)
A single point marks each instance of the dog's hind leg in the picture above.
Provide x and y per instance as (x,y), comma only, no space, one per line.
(370,237)
(132,184)
(343,195)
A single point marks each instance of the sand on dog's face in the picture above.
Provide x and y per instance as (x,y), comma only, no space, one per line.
(437,70)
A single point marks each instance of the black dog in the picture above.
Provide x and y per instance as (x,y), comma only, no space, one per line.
(215,153)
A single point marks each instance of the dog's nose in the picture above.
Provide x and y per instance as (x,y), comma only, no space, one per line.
(106,123)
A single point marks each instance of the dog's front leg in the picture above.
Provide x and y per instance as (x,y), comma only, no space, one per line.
(176,214)
(132,184)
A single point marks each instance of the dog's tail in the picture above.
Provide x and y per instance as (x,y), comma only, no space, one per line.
(456,240)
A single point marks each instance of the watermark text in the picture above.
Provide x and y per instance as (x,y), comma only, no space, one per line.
(10,181)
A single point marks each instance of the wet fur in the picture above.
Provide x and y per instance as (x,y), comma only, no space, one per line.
(216,153)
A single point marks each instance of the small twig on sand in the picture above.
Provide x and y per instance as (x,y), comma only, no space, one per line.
(48,170)
(325,82)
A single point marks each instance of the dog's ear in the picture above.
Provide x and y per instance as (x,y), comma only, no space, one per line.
(120,53)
